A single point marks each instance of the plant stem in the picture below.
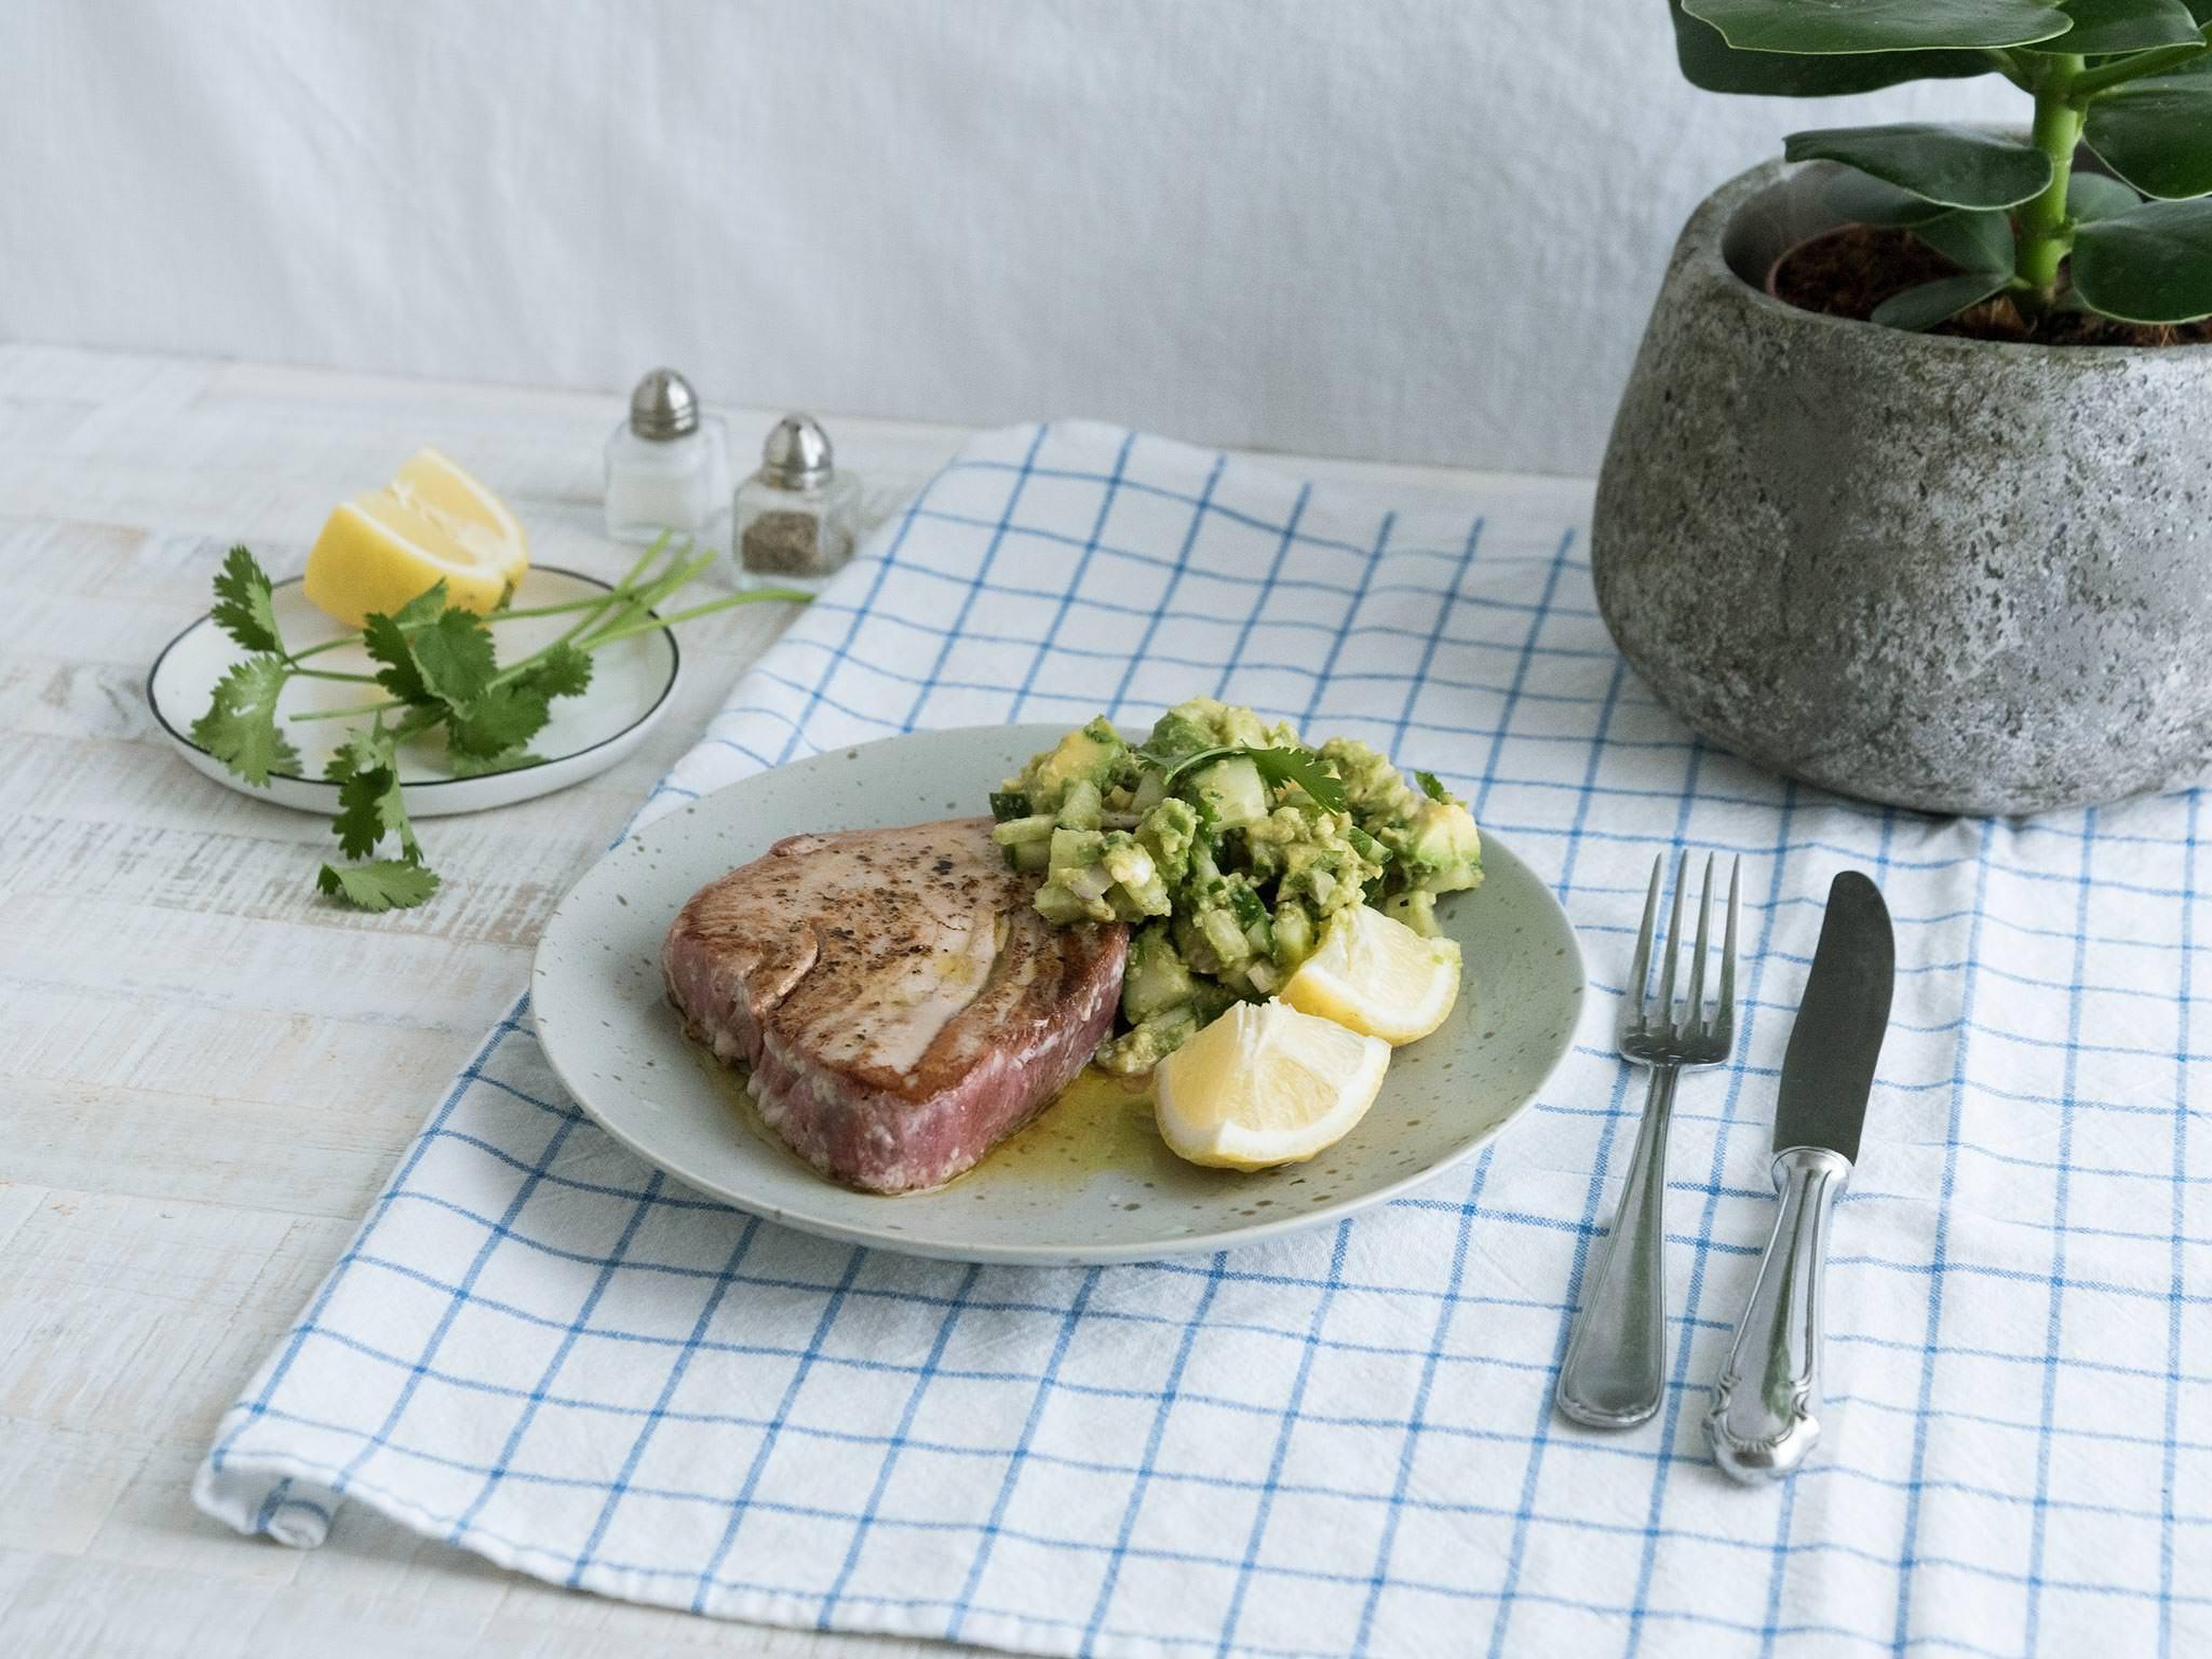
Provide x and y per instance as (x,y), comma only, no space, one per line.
(349,713)
(589,619)
(2045,232)
(2135,66)
(647,624)
(560,609)
(625,612)
(2007,63)
(642,601)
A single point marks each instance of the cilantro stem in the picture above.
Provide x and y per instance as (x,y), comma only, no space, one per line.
(670,580)
(596,599)
(728,601)
(349,713)
(621,593)
(645,560)
(331,674)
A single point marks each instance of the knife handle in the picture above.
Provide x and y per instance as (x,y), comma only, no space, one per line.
(1764,1419)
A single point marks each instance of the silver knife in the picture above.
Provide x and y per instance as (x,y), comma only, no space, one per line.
(1765,1412)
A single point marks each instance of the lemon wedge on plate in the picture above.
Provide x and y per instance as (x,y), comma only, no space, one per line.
(1378,977)
(1265,1085)
(432,523)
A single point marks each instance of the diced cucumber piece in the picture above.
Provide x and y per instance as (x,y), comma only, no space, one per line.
(1080,807)
(1061,908)
(1018,832)
(1076,849)
(1146,1044)
(1156,977)
(1126,860)
(1220,930)
(1232,791)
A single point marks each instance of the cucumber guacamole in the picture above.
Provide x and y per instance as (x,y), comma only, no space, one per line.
(1228,843)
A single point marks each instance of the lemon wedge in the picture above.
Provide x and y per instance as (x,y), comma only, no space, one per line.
(432,523)
(1265,1085)
(1378,977)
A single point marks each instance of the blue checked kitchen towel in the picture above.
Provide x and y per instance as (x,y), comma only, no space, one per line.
(1345,1443)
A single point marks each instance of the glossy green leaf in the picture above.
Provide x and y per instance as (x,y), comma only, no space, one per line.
(1958,167)
(1978,242)
(1860,198)
(2091,196)
(2108,26)
(2157,133)
(2153,266)
(1710,62)
(1919,309)
(1822,27)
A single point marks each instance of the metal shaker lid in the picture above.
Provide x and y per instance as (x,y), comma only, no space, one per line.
(663,406)
(797,454)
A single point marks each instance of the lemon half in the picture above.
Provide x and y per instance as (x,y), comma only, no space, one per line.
(432,523)
(1265,1085)
(1378,976)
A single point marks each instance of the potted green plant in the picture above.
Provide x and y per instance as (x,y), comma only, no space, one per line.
(1911,491)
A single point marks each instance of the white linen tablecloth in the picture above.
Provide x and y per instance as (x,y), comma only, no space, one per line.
(543,1350)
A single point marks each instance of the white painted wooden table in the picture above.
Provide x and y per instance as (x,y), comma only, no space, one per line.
(205,1071)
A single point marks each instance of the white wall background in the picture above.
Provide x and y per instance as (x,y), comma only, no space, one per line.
(1412,229)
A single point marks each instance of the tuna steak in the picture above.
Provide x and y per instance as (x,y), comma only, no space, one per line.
(901,1004)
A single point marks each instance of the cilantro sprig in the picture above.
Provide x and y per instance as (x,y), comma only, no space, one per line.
(1277,766)
(438,670)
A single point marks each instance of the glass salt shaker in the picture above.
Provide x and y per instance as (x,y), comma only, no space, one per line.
(668,465)
(793,522)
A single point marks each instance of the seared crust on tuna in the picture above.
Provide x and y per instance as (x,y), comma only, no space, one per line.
(901,1005)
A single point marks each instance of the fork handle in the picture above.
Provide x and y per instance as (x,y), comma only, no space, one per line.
(1765,1412)
(1615,1370)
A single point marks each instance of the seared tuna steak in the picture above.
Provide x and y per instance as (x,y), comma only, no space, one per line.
(901,1003)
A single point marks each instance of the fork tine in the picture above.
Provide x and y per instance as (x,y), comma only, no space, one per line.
(1724,1020)
(1674,945)
(1639,967)
(1693,1016)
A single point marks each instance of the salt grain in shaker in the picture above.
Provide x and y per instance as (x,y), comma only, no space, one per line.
(668,465)
(793,522)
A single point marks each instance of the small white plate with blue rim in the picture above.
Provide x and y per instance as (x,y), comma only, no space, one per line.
(632,683)
(1089,1179)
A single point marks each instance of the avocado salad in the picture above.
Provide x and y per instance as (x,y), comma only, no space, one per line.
(1228,844)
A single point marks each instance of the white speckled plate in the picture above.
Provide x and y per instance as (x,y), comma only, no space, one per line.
(1089,1181)
(631,681)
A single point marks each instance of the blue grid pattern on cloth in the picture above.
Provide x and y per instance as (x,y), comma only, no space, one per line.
(1344,1443)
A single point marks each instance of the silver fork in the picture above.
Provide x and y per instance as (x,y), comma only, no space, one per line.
(1615,1371)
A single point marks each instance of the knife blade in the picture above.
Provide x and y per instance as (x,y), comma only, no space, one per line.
(1765,1412)
(1827,1071)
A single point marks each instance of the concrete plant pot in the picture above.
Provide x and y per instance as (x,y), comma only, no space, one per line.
(1938,572)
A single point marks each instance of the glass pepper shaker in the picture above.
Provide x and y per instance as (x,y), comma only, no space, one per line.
(668,464)
(795,521)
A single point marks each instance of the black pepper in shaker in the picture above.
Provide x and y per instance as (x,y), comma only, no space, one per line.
(793,522)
